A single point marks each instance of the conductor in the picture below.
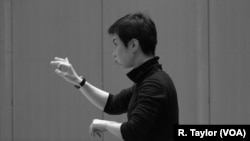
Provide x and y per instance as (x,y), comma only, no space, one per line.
(150,103)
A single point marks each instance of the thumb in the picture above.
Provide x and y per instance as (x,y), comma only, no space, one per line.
(66,76)
(66,59)
(60,72)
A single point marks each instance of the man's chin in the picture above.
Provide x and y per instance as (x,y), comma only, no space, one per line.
(119,63)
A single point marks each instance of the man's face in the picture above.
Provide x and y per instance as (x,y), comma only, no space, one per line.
(122,55)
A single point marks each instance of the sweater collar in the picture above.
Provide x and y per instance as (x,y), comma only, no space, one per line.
(144,70)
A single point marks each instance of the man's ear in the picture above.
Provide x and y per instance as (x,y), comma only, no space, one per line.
(134,45)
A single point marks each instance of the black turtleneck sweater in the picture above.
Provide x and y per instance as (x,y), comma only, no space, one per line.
(151,104)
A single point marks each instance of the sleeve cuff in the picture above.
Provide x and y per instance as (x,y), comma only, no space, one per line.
(106,108)
(124,131)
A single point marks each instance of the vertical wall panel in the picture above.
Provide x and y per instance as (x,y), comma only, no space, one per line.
(183,48)
(5,71)
(46,107)
(202,60)
(230,67)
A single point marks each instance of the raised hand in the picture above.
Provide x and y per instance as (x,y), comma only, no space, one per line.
(66,70)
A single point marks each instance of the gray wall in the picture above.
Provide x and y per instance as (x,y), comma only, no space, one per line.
(203,45)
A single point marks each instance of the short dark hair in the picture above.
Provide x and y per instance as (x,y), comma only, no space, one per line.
(136,26)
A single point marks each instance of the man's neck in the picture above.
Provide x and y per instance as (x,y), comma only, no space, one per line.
(142,59)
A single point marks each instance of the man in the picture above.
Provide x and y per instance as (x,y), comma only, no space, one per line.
(151,103)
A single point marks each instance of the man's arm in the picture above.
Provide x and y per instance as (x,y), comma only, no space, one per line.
(96,96)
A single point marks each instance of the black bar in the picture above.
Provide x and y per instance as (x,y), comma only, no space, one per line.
(212,132)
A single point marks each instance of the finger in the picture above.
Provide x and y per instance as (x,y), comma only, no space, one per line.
(98,133)
(59,59)
(55,62)
(59,66)
(60,72)
(92,134)
(60,63)
(66,59)
(90,131)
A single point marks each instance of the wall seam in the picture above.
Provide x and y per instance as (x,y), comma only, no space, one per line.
(102,56)
(209,64)
(12,66)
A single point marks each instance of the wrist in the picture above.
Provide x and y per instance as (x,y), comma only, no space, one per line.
(79,79)
(80,82)
(114,128)
(106,124)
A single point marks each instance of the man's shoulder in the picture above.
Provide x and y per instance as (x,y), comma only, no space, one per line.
(158,76)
